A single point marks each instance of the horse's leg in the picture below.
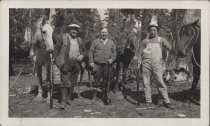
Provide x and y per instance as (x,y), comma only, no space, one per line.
(39,80)
(125,69)
(46,84)
(80,82)
(33,89)
(47,66)
(196,77)
(90,79)
(193,87)
(117,75)
(125,65)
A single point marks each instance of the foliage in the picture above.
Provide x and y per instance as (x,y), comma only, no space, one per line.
(88,19)
(19,19)
(169,22)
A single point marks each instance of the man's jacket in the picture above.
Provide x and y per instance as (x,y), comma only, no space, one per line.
(62,49)
(101,53)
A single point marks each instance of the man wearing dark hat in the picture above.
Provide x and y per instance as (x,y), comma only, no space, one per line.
(101,53)
(152,63)
(69,53)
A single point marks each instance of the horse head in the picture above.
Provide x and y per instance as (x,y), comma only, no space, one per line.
(188,36)
(47,32)
(43,33)
(131,42)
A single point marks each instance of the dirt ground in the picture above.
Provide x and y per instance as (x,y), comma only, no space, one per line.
(24,105)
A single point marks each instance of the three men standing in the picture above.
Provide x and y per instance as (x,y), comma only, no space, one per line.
(70,51)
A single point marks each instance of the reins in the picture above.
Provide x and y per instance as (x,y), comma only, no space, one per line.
(193,49)
(196,39)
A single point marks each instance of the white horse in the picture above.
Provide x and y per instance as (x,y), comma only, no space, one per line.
(40,51)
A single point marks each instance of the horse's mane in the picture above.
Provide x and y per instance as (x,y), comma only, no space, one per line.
(38,32)
(192,36)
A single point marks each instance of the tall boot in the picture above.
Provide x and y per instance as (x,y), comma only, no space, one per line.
(63,97)
(123,82)
(94,90)
(69,95)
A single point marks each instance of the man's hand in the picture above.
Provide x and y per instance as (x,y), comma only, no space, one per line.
(83,65)
(135,57)
(110,61)
(53,60)
(92,65)
(139,63)
(80,58)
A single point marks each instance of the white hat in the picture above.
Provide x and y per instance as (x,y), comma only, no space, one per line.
(104,30)
(153,22)
(74,25)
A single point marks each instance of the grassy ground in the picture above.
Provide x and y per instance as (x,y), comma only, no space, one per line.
(22,104)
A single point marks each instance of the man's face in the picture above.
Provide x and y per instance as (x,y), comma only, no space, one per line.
(153,32)
(73,32)
(134,37)
(104,34)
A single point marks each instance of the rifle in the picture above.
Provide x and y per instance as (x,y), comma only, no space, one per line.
(108,78)
(107,90)
(51,82)
(90,77)
(137,83)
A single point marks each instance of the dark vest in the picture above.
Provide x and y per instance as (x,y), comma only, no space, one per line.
(63,56)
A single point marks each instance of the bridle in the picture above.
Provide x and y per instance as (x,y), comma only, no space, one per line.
(196,29)
(196,39)
(40,28)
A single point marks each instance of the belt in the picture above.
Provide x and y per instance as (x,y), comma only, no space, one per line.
(102,64)
(72,58)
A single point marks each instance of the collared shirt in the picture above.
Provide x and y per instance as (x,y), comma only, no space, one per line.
(104,41)
(74,48)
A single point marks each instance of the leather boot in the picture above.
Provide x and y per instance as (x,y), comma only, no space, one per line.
(94,91)
(63,97)
(106,98)
(70,94)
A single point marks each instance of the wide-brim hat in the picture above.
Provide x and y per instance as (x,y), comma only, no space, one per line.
(74,26)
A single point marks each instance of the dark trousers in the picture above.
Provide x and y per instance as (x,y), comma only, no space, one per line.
(69,77)
(100,73)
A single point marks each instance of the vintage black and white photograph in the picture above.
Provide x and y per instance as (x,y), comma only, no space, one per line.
(104,63)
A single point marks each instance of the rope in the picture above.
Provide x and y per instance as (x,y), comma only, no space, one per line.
(194,58)
(16,78)
(193,50)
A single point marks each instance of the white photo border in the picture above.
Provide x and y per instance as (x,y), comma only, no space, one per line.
(4,64)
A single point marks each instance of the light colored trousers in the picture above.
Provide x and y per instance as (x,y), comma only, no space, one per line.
(154,67)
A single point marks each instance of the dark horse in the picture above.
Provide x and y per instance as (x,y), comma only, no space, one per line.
(125,52)
(190,39)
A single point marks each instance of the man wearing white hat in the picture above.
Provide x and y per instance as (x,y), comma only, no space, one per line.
(69,53)
(152,63)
